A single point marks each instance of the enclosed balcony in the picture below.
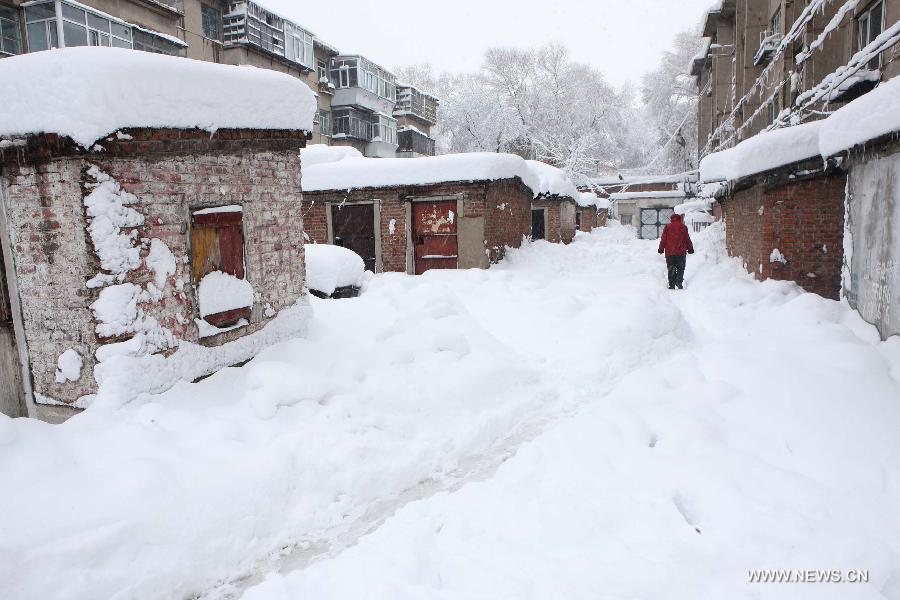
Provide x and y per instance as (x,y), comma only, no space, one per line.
(414,143)
(250,24)
(412,102)
(360,82)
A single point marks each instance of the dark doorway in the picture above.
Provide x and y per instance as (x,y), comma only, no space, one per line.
(538,224)
(353,226)
(434,230)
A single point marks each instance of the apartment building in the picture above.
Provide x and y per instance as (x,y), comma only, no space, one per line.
(360,102)
(772,63)
(797,119)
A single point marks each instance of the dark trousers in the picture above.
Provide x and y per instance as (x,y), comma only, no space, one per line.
(675,265)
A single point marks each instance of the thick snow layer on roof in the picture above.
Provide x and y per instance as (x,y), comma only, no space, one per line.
(96,91)
(349,172)
(866,118)
(552,181)
(762,152)
(584,199)
(320,154)
(613,180)
(650,195)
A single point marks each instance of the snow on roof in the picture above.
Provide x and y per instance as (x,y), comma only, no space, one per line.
(768,150)
(552,181)
(603,202)
(96,91)
(692,206)
(355,172)
(320,154)
(613,180)
(870,116)
(649,195)
(584,199)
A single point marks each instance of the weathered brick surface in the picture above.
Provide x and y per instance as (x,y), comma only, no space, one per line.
(602,216)
(504,205)
(170,172)
(803,219)
(560,219)
(588,218)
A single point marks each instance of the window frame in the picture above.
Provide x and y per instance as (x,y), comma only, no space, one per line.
(13,23)
(865,17)
(231,224)
(208,14)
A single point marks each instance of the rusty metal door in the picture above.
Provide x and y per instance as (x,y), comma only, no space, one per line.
(353,226)
(434,235)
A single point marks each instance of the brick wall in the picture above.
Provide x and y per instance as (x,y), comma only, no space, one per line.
(588,218)
(170,172)
(507,217)
(602,216)
(560,219)
(803,219)
(504,205)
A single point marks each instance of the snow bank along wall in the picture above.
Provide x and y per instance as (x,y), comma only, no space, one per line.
(873,209)
(105,251)
(413,228)
(788,224)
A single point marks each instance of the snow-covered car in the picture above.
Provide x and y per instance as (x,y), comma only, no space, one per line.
(333,271)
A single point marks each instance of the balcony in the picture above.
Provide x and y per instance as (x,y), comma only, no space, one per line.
(249,24)
(362,83)
(416,103)
(768,45)
(414,143)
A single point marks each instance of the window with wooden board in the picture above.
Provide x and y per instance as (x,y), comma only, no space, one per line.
(217,244)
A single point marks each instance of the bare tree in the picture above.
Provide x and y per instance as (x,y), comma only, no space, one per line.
(671,96)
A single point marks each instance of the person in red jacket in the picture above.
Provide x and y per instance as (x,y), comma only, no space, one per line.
(676,243)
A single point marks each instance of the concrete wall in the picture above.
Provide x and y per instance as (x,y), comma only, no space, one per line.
(169,172)
(874,201)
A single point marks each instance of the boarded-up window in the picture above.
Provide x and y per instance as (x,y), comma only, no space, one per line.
(217,244)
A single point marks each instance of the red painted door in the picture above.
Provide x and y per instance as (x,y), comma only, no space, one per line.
(434,235)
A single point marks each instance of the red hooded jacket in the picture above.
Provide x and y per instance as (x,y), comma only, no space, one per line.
(675,240)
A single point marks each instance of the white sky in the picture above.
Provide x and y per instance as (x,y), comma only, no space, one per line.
(622,38)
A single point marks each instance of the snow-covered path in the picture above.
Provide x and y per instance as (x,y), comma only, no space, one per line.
(561,426)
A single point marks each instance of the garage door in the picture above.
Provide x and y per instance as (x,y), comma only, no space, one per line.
(434,231)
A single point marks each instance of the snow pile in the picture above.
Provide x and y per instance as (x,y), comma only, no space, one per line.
(68,366)
(107,215)
(777,257)
(220,292)
(320,154)
(585,199)
(868,117)
(161,263)
(552,181)
(330,267)
(760,435)
(768,150)
(97,91)
(692,206)
(350,172)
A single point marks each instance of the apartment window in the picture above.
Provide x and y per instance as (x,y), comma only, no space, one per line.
(217,244)
(10,34)
(81,27)
(384,129)
(298,45)
(776,24)
(324,122)
(322,70)
(870,25)
(352,123)
(212,22)
(40,27)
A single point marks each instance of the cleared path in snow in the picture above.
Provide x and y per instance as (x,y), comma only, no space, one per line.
(734,426)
